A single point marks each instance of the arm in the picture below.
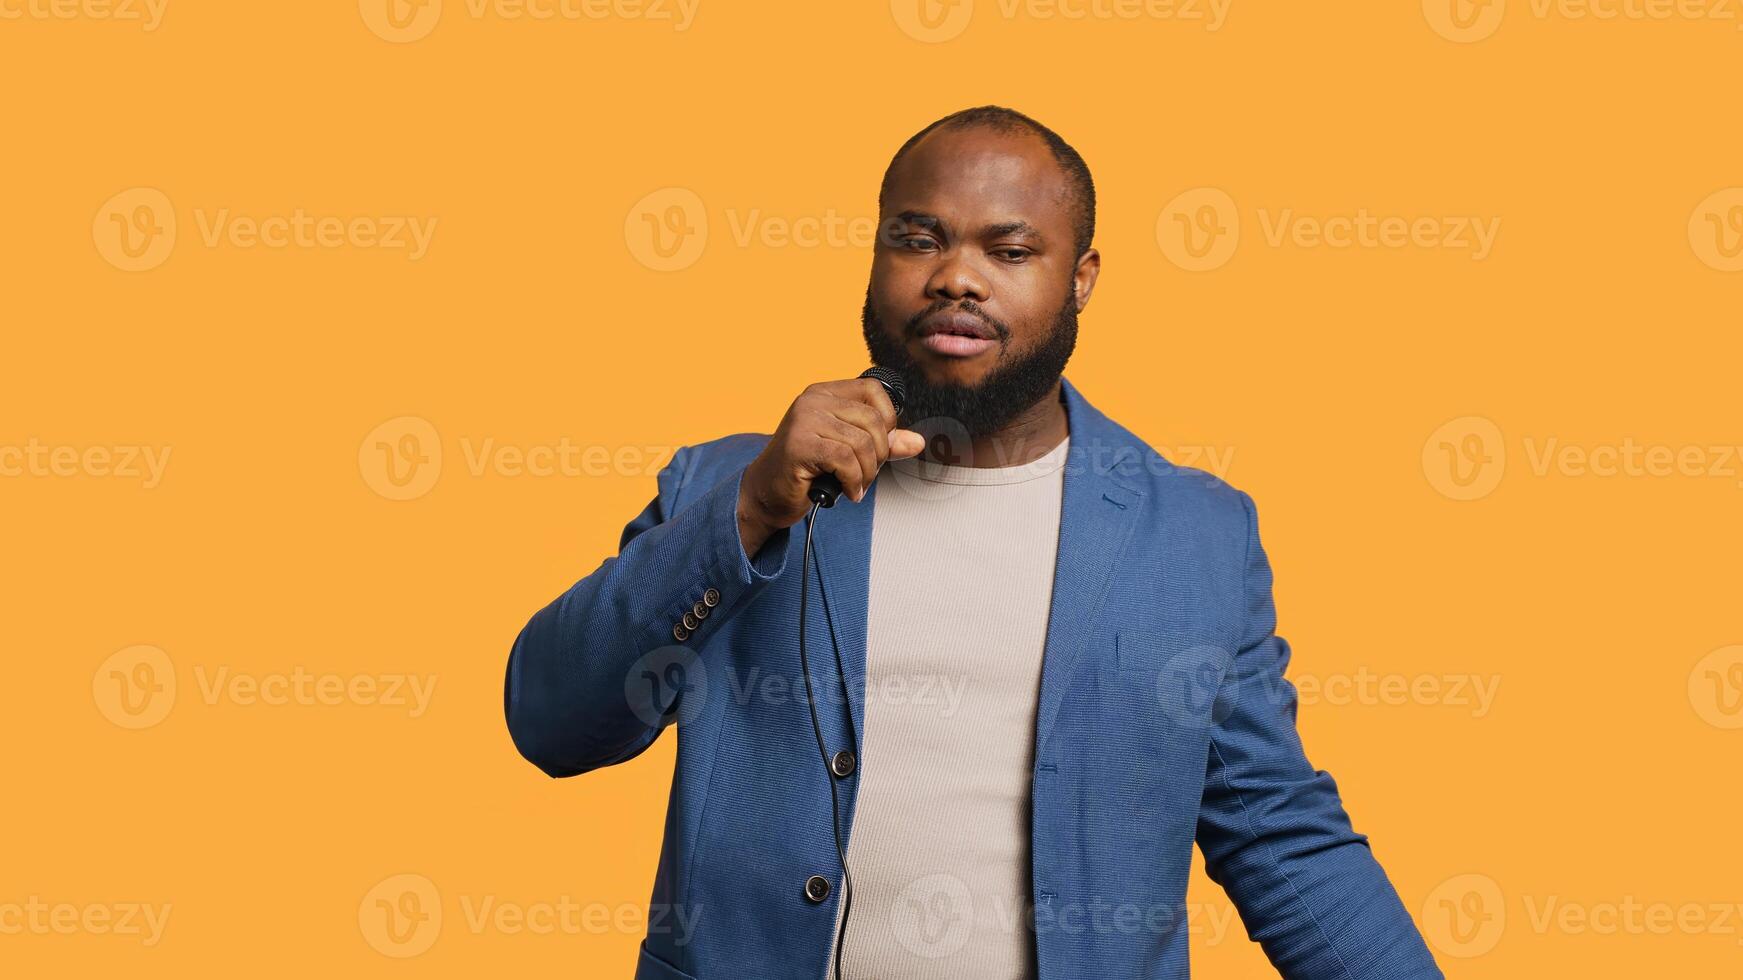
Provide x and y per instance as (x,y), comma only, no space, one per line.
(564,691)
(1275,834)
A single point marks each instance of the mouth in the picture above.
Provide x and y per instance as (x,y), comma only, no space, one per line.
(957,335)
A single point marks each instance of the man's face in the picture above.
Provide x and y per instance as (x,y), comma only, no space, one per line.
(976,238)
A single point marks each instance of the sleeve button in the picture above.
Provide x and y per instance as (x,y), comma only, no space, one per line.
(679,633)
(711,598)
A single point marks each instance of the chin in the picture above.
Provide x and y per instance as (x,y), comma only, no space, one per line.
(964,371)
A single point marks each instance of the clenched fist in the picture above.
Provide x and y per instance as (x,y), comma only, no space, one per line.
(847,428)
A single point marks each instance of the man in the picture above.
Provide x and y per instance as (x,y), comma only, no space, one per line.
(1042,659)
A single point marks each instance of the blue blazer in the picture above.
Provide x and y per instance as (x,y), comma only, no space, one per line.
(1164,718)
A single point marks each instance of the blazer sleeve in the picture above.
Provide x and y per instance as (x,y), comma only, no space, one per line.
(1273,831)
(565,695)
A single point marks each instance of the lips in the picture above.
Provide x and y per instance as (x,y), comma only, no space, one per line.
(958,324)
(957,335)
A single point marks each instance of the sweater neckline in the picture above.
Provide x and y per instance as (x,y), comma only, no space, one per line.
(1035,469)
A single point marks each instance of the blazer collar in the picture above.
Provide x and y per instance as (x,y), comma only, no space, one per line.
(1101,503)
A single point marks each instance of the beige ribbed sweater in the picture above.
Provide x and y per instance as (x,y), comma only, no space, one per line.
(962,562)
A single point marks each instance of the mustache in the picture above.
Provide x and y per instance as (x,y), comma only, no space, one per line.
(968,307)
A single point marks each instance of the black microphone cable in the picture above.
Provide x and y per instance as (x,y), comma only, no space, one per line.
(817,729)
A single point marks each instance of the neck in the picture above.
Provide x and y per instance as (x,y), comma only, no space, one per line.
(1035,432)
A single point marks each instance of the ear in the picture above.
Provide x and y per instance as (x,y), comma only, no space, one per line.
(1084,276)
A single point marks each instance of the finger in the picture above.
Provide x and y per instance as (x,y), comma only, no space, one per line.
(870,392)
(865,417)
(905,443)
(838,458)
(865,446)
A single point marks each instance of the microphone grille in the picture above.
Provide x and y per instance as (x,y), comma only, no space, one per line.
(892,381)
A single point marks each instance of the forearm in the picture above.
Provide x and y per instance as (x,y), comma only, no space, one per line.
(565,695)
(1273,828)
(1307,885)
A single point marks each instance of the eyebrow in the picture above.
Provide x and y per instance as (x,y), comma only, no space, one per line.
(1000,229)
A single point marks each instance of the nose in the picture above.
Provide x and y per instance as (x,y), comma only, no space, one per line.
(956,278)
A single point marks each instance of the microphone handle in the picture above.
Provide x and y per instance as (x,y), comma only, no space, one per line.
(824,490)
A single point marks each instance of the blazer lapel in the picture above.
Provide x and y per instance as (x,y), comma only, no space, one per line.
(1099,511)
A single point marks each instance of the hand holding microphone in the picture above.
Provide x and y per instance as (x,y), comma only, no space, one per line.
(833,439)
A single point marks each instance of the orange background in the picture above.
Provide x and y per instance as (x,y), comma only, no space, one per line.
(1603,605)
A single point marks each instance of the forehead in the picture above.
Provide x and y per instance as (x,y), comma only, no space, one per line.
(977,176)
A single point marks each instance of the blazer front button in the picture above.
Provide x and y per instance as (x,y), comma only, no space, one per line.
(841,764)
(711,598)
(816,889)
(679,633)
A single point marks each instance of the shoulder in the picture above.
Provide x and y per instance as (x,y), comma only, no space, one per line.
(698,466)
(1176,488)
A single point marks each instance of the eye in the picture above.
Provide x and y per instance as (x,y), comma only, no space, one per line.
(916,243)
(1011,253)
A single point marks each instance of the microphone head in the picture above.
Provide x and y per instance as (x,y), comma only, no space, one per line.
(892,381)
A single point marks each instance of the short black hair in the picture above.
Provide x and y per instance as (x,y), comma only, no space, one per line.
(1003,120)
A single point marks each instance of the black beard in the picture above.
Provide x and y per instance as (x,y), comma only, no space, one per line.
(1012,387)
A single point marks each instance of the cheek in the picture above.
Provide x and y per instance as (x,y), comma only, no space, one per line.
(898,289)
(1029,312)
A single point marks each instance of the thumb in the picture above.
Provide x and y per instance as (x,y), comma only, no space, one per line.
(905,443)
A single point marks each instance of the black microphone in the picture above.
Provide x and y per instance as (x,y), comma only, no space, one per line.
(826,487)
